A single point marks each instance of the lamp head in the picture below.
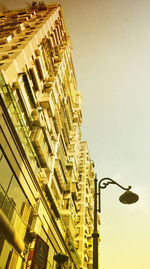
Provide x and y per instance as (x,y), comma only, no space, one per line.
(129,197)
(60,258)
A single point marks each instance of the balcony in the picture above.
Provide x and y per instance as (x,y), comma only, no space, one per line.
(48,87)
(51,42)
(90,264)
(90,256)
(65,134)
(74,191)
(66,128)
(37,119)
(72,248)
(91,214)
(72,148)
(91,181)
(51,82)
(77,115)
(42,176)
(60,174)
(69,115)
(52,201)
(69,223)
(85,243)
(86,258)
(52,130)
(29,89)
(62,158)
(40,67)
(40,146)
(90,241)
(35,78)
(57,120)
(87,220)
(67,188)
(91,228)
(5,38)
(57,59)
(46,101)
(43,155)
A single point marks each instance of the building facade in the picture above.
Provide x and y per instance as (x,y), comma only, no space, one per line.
(46,174)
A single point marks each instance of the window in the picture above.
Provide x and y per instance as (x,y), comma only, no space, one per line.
(77,244)
(16,194)
(51,252)
(67,203)
(79,196)
(5,250)
(12,196)
(1,154)
(79,207)
(78,230)
(71,159)
(5,174)
(78,219)
(80,177)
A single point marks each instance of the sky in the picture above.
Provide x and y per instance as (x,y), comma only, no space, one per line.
(111,55)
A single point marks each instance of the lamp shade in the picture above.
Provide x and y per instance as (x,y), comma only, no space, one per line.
(129,197)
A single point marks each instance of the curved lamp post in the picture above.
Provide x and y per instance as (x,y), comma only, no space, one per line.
(126,198)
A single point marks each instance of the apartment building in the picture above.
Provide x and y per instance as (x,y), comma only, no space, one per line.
(85,221)
(46,174)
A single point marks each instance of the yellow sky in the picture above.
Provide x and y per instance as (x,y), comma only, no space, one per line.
(111,41)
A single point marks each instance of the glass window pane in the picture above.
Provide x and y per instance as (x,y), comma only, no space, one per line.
(2,196)
(5,249)
(43,235)
(8,207)
(1,153)
(5,174)
(48,266)
(51,254)
(16,195)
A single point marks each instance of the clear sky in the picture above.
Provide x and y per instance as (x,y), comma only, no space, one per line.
(111,53)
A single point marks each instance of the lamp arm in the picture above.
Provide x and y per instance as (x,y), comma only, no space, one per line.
(102,185)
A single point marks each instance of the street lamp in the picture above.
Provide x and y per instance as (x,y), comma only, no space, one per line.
(127,198)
